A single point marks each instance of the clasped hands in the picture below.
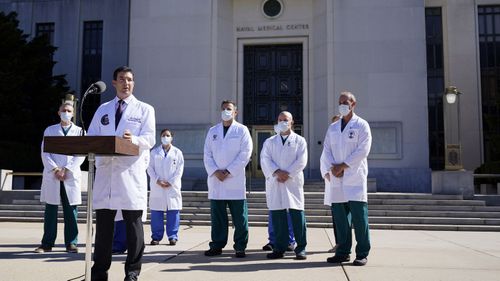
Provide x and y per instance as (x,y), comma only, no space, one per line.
(60,173)
(163,183)
(337,170)
(222,174)
(281,175)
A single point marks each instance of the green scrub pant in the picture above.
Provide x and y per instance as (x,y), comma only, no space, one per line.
(220,224)
(355,212)
(280,225)
(50,222)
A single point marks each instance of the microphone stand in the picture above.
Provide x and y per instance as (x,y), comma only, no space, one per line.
(90,180)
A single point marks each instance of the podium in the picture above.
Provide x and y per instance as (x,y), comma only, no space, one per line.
(89,146)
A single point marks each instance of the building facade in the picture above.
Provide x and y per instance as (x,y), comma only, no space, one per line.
(396,56)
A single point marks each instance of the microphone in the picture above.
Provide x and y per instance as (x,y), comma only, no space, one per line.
(94,89)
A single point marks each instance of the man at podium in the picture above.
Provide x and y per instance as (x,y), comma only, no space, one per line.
(121,181)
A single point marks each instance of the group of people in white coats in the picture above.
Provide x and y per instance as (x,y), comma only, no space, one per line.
(121,182)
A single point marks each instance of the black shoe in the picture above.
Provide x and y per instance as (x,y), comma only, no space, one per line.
(154,242)
(290,247)
(301,255)
(172,242)
(240,254)
(43,249)
(118,252)
(131,276)
(275,255)
(213,252)
(268,247)
(338,259)
(360,262)
(72,248)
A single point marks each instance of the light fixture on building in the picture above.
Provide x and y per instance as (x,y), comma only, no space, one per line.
(453,147)
(451,94)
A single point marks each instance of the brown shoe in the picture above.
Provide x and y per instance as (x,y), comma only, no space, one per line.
(43,249)
(72,248)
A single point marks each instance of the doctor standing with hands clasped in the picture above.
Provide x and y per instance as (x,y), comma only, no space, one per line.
(344,167)
(121,182)
(283,159)
(227,150)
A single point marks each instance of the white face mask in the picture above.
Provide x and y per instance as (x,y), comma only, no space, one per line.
(277,129)
(226,115)
(166,140)
(283,126)
(344,109)
(66,116)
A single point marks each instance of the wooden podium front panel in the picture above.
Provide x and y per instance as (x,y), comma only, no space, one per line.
(83,145)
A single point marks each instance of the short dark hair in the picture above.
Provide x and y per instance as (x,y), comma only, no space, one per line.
(228,101)
(166,129)
(123,68)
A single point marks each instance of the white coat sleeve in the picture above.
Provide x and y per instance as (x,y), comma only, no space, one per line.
(300,162)
(47,160)
(146,137)
(177,175)
(244,155)
(363,149)
(94,129)
(326,159)
(208,156)
(74,163)
(266,161)
(151,167)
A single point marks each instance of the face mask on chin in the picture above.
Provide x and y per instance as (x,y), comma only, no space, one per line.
(344,109)
(226,115)
(166,140)
(66,116)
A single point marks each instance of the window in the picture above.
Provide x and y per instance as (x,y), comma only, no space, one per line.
(489,52)
(91,65)
(435,86)
(46,29)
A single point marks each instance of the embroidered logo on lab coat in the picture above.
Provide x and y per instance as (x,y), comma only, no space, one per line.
(214,137)
(135,119)
(351,134)
(105,120)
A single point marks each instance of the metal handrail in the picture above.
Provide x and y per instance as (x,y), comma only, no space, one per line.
(26,174)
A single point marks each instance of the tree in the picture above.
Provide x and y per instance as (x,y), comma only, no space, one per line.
(29,95)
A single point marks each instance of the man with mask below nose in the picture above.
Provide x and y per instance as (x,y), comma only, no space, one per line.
(227,150)
(61,185)
(283,159)
(344,166)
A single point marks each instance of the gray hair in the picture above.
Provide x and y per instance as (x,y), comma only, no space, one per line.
(287,113)
(349,95)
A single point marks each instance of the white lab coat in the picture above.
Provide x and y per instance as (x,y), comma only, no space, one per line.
(168,168)
(290,157)
(49,192)
(231,152)
(351,147)
(121,181)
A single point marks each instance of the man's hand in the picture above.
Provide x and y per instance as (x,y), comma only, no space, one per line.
(127,135)
(282,176)
(163,183)
(60,174)
(338,170)
(221,174)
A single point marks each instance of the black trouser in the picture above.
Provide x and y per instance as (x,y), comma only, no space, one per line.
(104,242)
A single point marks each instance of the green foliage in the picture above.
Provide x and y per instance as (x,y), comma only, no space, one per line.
(29,95)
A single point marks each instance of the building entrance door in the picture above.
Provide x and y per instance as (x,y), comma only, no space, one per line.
(272,82)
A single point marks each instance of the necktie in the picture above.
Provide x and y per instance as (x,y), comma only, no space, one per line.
(118,114)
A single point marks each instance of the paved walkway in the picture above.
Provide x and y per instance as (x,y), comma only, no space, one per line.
(395,255)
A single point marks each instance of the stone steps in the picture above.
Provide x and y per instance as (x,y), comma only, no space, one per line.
(386,210)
